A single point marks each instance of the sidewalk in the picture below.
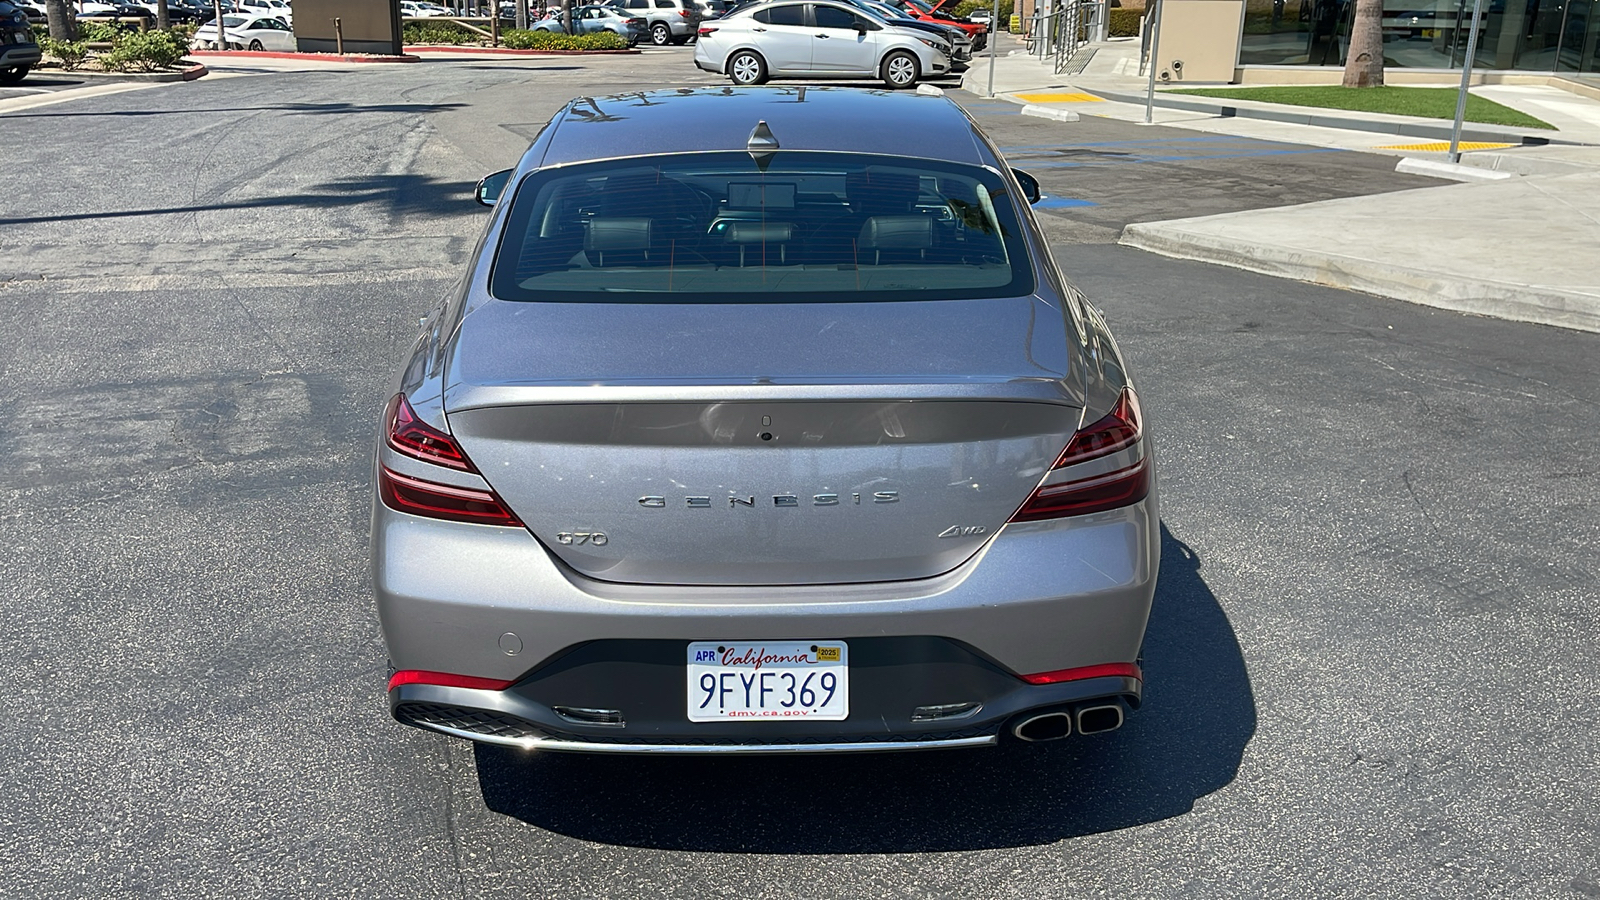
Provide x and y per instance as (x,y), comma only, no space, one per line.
(1526,248)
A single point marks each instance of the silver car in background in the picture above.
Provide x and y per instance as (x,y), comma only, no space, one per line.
(762,422)
(788,39)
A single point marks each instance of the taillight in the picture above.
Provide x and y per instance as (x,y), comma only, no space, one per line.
(408,435)
(446,679)
(706,31)
(415,438)
(684,13)
(402,493)
(1116,431)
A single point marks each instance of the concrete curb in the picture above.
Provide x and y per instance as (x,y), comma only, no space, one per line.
(1516,302)
(1301,115)
(308,57)
(507,51)
(1436,168)
(1049,112)
(187,74)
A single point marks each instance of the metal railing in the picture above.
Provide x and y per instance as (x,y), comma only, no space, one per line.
(1058,35)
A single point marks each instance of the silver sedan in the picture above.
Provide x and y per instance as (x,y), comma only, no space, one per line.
(818,40)
(762,422)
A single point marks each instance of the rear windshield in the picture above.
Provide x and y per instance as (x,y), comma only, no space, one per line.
(789,227)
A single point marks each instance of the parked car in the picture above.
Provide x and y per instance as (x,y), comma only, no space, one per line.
(667,21)
(818,40)
(278,8)
(960,43)
(247,31)
(931,12)
(627,500)
(19,53)
(713,9)
(35,13)
(118,9)
(414,10)
(596,18)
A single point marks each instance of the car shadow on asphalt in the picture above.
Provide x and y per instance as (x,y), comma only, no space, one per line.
(403,193)
(310,109)
(1186,742)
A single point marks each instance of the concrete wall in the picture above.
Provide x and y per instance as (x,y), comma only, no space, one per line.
(1199,41)
(370,26)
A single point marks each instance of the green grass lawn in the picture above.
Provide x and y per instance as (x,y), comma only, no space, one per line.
(1429,103)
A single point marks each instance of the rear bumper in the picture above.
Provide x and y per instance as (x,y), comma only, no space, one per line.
(519,717)
(1039,597)
(490,602)
(17,55)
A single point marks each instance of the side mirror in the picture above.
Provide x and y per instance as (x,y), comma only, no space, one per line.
(491,186)
(861,27)
(1030,186)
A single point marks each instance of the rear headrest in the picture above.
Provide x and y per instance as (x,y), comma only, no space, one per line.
(897,233)
(757,232)
(877,191)
(617,233)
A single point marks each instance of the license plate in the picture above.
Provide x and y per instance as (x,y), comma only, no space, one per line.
(743,680)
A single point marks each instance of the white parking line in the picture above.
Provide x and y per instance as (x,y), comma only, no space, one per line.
(18,104)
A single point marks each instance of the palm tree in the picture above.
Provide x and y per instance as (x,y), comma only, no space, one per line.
(1363,66)
(63,25)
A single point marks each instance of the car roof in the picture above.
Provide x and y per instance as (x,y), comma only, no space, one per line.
(801,117)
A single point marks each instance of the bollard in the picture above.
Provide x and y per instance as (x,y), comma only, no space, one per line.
(338,35)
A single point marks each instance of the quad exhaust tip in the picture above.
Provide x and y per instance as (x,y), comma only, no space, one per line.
(1097,719)
(1053,726)
(1049,726)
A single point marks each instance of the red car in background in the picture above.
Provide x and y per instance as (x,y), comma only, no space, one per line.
(929,12)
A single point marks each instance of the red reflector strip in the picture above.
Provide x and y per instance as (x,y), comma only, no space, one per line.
(445,679)
(1124,670)
(441,501)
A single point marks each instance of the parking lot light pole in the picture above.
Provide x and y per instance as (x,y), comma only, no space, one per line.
(994,35)
(1466,78)
(1155,50)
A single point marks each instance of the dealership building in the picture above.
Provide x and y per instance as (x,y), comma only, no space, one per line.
(1305,41)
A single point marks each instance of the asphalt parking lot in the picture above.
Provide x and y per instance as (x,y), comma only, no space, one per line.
(1371,663)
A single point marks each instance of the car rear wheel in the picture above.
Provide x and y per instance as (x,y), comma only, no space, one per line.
(12,76)
(747,68)
(660,34)
(899,70)
(256,45)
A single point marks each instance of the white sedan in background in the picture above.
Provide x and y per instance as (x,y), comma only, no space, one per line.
(247,32)
(817,40)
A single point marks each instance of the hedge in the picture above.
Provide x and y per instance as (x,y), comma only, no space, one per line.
(550,40)
(1126,22)
(967,7)
(439,33)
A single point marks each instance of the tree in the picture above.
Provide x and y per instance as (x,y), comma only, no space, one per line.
(1363,66)
(163,17)
(570,22)
(63,24)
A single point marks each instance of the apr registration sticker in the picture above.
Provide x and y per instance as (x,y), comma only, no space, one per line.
(731,681)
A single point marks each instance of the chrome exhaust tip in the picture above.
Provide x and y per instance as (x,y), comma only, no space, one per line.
(1097,719)
(1049,726)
